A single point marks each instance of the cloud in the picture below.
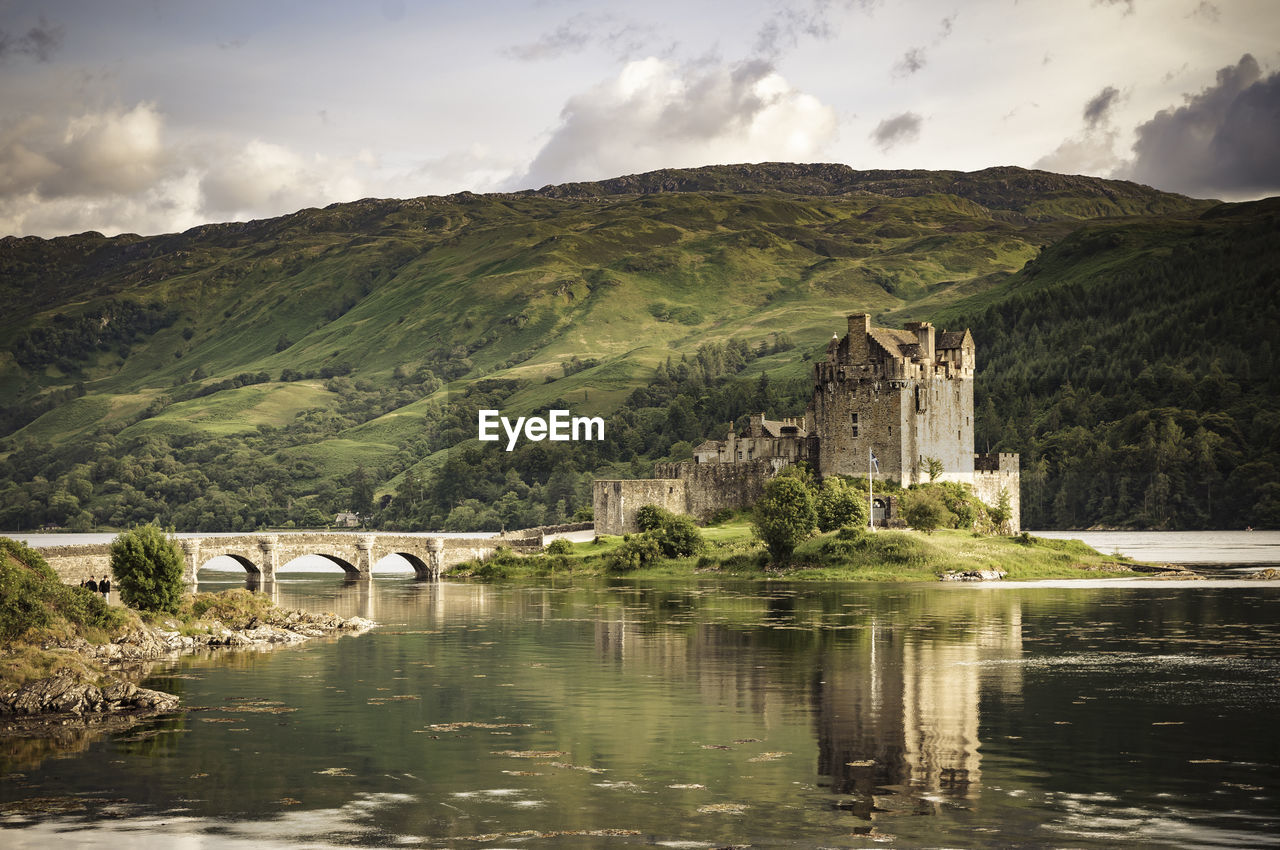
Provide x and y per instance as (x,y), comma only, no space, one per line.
(900,129)
(1127,5)
(656,115)
(1205,10)
(1221,143)
(261,176)
(911,62)
(1092,151)
(96,154)
(569,37)
(788,25)
(622,38)
(41,41)
(116,170)
(1098,109)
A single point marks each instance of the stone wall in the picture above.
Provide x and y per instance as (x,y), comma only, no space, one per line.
(940,427)
(263,554)
(615,501)
(994,472)
(711,487)
(881,420)
(76,564)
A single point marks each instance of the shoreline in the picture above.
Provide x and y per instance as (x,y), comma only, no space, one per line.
(103,686)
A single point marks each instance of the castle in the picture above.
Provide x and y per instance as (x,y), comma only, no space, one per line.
(899,399)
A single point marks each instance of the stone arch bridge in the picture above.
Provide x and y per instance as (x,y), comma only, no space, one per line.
(262,555)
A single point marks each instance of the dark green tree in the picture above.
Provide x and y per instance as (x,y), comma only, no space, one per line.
(147,566)
(838,504)
(784,516)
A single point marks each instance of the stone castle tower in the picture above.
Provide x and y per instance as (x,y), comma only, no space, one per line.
(902,396)
(905,396)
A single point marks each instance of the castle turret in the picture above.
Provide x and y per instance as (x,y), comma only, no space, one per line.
(859,333)
(925,338)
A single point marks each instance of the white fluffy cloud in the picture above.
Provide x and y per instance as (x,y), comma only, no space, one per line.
(117,170)
(262,176)
(655,114)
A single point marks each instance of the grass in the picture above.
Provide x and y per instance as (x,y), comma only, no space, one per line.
(887,555)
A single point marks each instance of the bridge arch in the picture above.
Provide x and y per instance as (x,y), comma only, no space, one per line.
(421,568)
(337,560)
(249,566)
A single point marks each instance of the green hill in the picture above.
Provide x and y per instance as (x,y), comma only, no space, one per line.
(277,371)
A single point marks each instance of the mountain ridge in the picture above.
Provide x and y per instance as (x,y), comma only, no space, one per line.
(363,334)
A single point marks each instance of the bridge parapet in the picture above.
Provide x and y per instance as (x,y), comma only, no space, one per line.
(262,555)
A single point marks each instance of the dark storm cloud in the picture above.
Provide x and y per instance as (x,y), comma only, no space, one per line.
(1221,143)
(41,41)
(1098,109)
(892,132)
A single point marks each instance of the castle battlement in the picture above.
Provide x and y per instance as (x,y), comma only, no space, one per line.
(903,397)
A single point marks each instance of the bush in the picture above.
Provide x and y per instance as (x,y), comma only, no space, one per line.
(676,535)
(147,565)
(560,546)
(924,511)
(784,516)
(649,517)
(34,600)
(641,549)
(838,505)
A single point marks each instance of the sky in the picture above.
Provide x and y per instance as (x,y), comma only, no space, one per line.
(154,116)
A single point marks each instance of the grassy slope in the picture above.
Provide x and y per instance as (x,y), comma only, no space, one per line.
(521,283)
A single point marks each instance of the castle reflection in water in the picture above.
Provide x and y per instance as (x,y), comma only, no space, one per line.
(894,684)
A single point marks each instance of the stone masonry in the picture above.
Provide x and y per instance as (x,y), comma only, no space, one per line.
(263,554)
(902,396)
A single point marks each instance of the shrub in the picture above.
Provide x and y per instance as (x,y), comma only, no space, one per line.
(838,505)
(924,511)
(721,516)
(34,600)
(560,546)
(641,549)
(649,517)
(676,535)
(784,516)
(147,565)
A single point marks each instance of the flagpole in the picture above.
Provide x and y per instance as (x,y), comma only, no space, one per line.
(871,504)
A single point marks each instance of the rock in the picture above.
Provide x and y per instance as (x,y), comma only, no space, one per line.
(67,693)
(1266,574)
(973,575)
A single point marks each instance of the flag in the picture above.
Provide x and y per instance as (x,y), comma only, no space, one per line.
(875,463)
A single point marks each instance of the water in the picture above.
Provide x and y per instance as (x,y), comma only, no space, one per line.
(702,714)
(1234,549)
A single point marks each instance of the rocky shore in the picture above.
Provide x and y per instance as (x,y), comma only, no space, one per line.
(101,684)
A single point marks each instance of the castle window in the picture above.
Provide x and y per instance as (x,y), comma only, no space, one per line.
(855,424)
